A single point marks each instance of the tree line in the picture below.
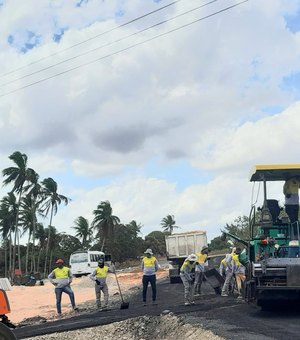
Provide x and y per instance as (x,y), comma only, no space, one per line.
(31,200)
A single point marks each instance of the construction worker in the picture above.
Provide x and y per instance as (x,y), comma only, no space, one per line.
(187,277)
(149,268)
(61,277)
(99,275)
(227,263)
(199,269)
(222,268)
(238,271)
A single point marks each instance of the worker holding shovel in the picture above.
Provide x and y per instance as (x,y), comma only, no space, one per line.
(99,276)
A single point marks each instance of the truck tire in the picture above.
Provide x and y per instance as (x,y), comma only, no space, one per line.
(6,333)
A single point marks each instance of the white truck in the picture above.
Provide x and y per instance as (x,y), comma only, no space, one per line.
(179,246)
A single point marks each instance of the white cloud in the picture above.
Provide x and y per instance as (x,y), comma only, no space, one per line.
(197,95)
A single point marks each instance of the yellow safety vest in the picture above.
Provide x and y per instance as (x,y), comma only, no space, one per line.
(187,263)
(61,273)
(224,263)
(149,261)
(201,258)
(102,272)
(236,260)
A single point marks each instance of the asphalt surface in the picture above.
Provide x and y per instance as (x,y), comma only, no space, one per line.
(225,316)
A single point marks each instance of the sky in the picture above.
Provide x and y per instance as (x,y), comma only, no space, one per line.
(158,121)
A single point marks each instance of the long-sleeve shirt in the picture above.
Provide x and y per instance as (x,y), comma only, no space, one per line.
(100,274)
(61,277)
(149,266)
(186,270)
(237,267)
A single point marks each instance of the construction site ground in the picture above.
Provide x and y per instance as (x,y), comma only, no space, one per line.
(213,317)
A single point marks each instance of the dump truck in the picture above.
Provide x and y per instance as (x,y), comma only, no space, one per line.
(273,248)
(179,246)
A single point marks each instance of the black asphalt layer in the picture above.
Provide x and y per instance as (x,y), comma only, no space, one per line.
(225,316)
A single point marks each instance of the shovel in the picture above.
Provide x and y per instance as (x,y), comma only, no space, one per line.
(124,305)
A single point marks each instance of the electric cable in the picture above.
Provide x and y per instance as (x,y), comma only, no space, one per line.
(125,49)
(107,44)
(91,38)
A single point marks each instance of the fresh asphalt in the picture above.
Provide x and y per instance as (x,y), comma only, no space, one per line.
(224,316)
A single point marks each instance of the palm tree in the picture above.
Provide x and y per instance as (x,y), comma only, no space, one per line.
(28,220)
(51,200)
(83,230)
(168,223)
(17,175)
(8,212)
(104,221)
(134,227)
(34,192)
(41,237)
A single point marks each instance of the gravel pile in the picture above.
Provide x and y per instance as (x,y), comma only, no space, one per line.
(163,327)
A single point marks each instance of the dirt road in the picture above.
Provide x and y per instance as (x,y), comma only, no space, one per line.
(225,317)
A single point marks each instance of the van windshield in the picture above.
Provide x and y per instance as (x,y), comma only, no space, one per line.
(79,258)
(96,257)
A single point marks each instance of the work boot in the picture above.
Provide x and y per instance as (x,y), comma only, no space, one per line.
(224,294)
(144,303)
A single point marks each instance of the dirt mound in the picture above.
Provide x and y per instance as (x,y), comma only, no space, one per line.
(162,327)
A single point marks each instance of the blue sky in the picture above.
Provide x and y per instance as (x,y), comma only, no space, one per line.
(172,126)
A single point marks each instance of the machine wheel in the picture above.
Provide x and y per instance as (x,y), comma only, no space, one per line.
(6,333)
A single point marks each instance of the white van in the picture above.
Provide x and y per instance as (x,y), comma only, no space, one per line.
(84,262)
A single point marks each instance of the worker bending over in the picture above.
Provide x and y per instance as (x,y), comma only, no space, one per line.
(187,277)
(226,264)
(238,270)
(199,269)
(99,275)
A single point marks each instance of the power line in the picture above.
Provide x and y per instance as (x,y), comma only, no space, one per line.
(125,49)
(105,45)
(89,39)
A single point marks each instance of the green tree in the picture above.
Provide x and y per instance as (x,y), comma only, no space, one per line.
(27,219)
(42,241)
(34,192)
(156,240)
(17,175)
(125,244)
(8,212)
(51,200)
(83,231)
(168,223)
(104,221)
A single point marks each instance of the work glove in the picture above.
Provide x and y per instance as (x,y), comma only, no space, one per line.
(98,282)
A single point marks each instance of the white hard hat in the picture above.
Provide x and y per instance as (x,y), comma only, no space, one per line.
(192,257)
(148,251)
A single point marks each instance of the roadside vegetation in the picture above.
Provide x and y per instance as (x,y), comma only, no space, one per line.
(28,213)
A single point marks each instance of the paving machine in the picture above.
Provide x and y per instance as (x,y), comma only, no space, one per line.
(273,249)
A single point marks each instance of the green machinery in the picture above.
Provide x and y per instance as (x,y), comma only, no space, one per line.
(273,253)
